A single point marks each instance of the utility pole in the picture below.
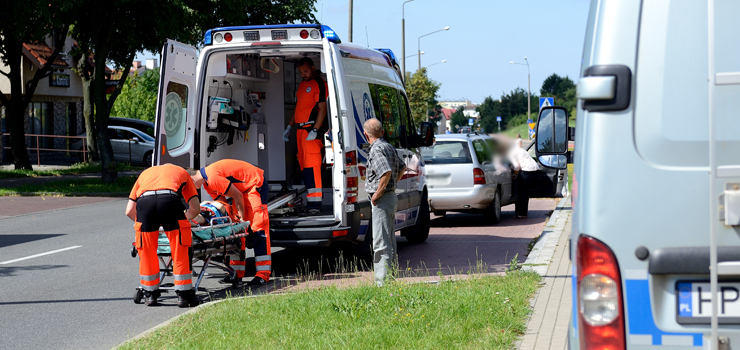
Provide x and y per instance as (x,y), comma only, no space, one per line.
(349,35)
(403,37)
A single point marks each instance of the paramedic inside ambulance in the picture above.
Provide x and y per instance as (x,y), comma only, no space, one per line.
(309,120)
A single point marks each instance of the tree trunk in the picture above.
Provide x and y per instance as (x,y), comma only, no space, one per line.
(16,111)
(110,170)
(88,110)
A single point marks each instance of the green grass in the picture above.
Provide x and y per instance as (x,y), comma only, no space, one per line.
(487,312)
(77,187)
(521,129)
(75,169)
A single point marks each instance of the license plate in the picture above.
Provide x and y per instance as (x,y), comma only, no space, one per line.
(694,303)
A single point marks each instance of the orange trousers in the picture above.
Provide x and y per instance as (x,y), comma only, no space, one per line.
(259,219)
(309,158)
(146,246)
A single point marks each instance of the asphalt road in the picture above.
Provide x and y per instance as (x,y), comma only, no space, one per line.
(80,296)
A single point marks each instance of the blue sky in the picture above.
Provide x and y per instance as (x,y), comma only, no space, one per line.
(484,36)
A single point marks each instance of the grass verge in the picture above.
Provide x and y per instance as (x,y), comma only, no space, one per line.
(79,187)
(75,169)
(481,312)
(521,129)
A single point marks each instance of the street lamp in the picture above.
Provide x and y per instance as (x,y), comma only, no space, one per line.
(443,61)
(403,36)
(414,55)
(529,116)
(419,42)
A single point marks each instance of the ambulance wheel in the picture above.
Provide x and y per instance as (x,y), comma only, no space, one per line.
(138,296)
(419,232)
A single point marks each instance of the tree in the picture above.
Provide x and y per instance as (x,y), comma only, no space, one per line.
(129,29)
(489,110)
(25,22)
(138,97)
(556,86)
(422,94)
(458,118)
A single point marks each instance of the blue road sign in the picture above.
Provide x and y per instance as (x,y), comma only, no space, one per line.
(547,101)
(471,121)
(498,119)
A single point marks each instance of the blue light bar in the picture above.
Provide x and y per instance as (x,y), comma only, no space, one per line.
(389,53)
(326,32)
(208,38)
(329,33)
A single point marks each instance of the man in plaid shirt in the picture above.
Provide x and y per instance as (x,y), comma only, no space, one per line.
(384,170)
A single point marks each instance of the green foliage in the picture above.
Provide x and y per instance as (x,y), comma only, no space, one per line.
(422,93)
(473,313)
(512,104)
(138,97)
(556,86)
(458,119)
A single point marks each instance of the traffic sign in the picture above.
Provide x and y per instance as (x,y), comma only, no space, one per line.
(498,119)
(547,102)
(471,121)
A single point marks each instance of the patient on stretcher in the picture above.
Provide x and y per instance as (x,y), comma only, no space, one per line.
(217,210)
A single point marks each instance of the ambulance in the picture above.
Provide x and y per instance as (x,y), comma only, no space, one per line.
(233,98)
(655,241)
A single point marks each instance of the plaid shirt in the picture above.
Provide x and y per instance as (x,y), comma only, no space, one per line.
(382,158)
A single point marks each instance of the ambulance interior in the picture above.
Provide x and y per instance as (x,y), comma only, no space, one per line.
(258,90)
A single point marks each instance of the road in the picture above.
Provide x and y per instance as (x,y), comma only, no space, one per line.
(79,295)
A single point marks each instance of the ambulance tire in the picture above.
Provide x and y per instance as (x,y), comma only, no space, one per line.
(419,232)
(138,296)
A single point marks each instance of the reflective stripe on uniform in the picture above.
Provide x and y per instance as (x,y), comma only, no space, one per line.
(263,267)
(184,287)
(183,277)
(238,267)
(262,258)
(154,277)
(314,199)
(150,288)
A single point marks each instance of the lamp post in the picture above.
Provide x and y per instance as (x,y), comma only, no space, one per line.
(529,116)
(349,35)
(442,61)
(403,36)
(414,55)
(419,42)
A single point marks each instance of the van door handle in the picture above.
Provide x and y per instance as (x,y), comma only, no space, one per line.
(596,88)
(610,91)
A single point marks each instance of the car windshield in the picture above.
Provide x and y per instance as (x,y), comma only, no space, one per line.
(143,136)
(447,152)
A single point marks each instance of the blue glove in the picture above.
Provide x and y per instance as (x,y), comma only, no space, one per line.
(286,134)
(311,135)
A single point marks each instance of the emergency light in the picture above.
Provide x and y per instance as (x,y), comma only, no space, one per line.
(278,32)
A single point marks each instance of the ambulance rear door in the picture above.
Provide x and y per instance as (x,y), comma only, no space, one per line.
(176,112)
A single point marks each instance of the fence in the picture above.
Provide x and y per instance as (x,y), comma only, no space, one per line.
(38,148)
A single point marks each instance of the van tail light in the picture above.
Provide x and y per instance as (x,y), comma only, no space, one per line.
(479,177)
(351,158)
(600,309)
(304,34)
(352,180)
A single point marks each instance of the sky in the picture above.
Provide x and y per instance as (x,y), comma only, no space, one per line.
(484,36)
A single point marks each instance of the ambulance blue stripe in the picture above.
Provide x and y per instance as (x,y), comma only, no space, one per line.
(640,313)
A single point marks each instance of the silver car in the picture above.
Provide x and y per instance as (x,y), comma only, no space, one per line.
(464,176)
(129,145)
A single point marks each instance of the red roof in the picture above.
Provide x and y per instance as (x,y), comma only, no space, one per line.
(41,52)
(447,112)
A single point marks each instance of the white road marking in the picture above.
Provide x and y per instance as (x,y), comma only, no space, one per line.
(38,255)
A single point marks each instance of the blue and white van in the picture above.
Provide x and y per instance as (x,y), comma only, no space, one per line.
(234,97)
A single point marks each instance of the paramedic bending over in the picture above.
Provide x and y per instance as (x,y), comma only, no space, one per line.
(309,119)
(164,196)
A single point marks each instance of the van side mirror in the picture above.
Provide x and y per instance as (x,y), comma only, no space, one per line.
(426,134)
(551,138)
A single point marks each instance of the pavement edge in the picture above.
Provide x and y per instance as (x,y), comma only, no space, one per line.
(541,255)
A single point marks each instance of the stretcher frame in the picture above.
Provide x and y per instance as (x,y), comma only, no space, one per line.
(201,250)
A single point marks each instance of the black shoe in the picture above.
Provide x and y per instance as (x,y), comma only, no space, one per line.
(187,298)
(257,281)
(151,297)
(226,280)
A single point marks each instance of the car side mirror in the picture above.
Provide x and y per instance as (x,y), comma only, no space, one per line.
(135,139)
(426,134)
(551,138)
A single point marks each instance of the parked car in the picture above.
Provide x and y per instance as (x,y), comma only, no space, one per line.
(463,176)
(141,125)
(129,145)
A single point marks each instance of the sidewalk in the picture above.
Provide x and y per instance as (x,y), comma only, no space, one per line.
(547,327)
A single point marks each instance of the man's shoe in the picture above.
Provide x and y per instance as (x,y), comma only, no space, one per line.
(226,280)
(257,281)
(187,298)
(151,297)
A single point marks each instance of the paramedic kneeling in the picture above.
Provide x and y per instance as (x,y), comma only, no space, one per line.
(164,196)
(384,170)
(243,182)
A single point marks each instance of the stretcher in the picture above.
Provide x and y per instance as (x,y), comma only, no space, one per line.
(209,242)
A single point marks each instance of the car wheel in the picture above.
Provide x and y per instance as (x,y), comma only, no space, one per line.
(148,158)
(419,232)
(493,212)
(440,212)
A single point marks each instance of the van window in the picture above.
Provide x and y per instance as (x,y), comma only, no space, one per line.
(390,113)
(406,115)
(447,152)
(175,114)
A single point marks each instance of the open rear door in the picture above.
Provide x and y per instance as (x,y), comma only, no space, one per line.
(176,112)
(551,148)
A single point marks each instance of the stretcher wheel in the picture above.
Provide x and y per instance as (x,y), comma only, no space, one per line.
(138,296)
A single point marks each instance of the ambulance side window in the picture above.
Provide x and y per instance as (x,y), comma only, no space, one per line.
(376,102)
(408,120)
(175,114)
(391,114)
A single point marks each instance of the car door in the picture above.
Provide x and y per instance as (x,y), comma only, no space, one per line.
(117,144)
(551,150)
(176,105)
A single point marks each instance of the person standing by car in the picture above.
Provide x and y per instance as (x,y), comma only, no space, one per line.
(527,176)
(384,170)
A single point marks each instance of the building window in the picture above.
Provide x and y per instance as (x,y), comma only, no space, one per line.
(40,122)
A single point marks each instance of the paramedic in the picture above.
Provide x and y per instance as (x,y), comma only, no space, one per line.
(527,178)
(243,182)
(309,119)
(384,170)
(164,196)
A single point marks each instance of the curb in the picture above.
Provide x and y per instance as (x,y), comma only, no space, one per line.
(542,252)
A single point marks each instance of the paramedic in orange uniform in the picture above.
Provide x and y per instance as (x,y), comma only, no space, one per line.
(309,119)
(164,196)
(243,182)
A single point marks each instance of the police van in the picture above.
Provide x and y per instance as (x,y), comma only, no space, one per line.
(655,242)
(233,98)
